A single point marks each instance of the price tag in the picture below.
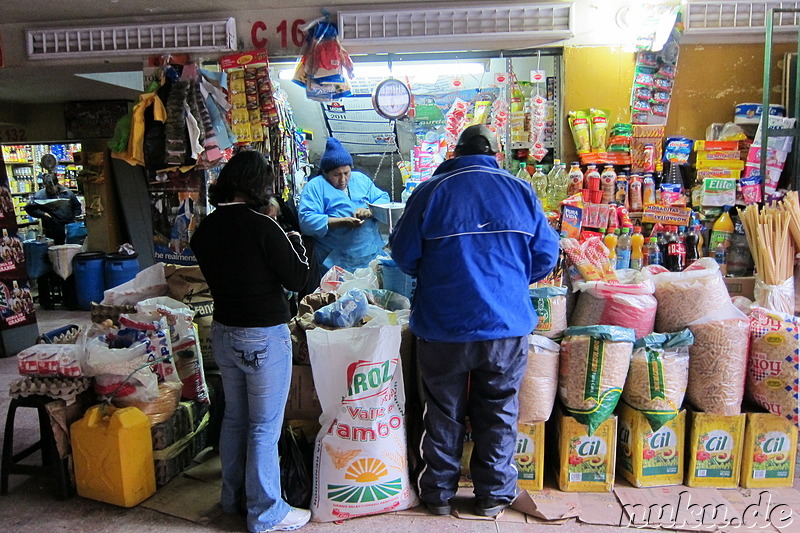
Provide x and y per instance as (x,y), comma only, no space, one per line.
(500,78)
(457,82)
(538,76)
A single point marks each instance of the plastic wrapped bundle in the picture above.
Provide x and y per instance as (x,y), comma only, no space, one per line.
(539,384)
(628,305)
(658,376)
(550,304)
(592,369)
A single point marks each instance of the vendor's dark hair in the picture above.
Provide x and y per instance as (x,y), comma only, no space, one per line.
(248,174)
(477,145)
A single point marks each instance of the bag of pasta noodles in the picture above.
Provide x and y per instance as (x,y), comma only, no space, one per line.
(592,369)
(658,375)
(718,361)
(772,371)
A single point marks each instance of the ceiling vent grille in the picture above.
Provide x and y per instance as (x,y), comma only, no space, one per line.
(730,18)
(96,41)
(552,22)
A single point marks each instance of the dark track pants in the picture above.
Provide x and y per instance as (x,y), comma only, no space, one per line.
(480,379)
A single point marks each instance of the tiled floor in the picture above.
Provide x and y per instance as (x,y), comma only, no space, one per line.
(32,507)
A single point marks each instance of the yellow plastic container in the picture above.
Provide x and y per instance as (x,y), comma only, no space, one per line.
(648,458)
(529,456)
(113,454)
(585,462)
(715,450)
(770,448)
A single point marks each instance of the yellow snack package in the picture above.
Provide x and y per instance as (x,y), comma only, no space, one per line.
(579,124)
(599,129)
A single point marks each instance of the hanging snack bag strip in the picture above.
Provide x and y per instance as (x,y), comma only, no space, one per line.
(579,124)
(599,129)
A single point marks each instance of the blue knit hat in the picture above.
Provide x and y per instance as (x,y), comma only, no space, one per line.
(335,156)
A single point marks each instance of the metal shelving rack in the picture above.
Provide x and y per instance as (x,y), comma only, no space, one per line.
(766,132)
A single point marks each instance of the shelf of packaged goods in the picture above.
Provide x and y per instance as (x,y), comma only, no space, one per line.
(20,193)
(28,163)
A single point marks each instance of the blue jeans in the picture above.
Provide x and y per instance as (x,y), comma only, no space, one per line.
(256,369)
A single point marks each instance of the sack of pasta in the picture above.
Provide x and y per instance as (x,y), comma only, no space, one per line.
(550,304)
(684,297)
(537,394)
(772,372)
(658,375)
(592,369)
(360,454)
(718,361)
(628,305)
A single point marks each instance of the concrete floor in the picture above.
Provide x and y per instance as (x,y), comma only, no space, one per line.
(32,507)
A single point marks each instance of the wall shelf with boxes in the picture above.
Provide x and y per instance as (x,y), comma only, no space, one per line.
(24,170)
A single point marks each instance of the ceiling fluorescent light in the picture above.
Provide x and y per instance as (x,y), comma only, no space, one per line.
(400,69)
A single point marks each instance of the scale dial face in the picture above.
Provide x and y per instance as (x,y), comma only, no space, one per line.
(48,162)
(391,99)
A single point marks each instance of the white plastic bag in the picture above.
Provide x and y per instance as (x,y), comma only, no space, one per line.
(148,283)
(537,394)
(779,298)
(360,461)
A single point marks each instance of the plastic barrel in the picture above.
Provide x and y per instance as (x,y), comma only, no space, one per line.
(119,269)
(88,270)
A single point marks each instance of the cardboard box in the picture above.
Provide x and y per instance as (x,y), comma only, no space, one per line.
(744,286)
(585,462)
(178,440)
(769,451)
(715,450)
(716,145)
(529,456)
(648,458)
(303,402)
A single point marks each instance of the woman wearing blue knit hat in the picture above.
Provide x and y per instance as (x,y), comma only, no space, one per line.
(334,212)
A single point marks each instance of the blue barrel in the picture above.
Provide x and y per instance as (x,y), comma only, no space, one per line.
(88,270)
(36,261)
(120,268)
(76,232)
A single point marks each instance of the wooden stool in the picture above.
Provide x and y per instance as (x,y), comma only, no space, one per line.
(52,464)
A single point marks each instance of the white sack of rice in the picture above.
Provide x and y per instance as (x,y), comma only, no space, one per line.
(550,305)
(540,382)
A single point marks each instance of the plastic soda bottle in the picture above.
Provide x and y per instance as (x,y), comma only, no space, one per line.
(653,256)
(720,256)
(721,231)
(610,240)
(539,183)
(693,245)
(637,244)
(624,249)
(575,179)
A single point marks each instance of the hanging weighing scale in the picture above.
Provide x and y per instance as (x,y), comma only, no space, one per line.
(391,99)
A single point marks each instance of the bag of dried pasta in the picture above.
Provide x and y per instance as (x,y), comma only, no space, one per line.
(772,371)
(684,297)
(537,394)
(658,375)
(592,369)
(550,305)
(718,361)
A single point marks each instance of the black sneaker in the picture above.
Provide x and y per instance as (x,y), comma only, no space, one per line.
(439,509)
(490,507)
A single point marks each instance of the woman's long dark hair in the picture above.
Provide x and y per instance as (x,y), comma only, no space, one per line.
(248,174)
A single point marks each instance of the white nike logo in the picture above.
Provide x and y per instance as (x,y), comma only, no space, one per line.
(484,224)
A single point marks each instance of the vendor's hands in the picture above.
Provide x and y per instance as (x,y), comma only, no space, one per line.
(363,213)
(352,222)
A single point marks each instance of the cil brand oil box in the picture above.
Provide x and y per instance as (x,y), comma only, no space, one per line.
(529,456)
(648,458)
(769,451)
(585,462)
(715,450)
(113,453)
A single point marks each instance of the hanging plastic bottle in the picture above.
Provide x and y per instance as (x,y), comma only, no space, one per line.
(575,179)
(637,245)
(608,180)
(610,240)
(539,183)
(624,249)
(721,231)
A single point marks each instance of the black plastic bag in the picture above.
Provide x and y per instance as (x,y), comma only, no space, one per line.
(295,463)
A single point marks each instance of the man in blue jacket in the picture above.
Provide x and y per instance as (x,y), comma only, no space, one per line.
(475,237)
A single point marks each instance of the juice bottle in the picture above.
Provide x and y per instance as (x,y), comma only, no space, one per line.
(648,190)
(591,174)
(610,240)
(575,179)
(621,190)
(635,193)
(608,181)
(637,245)
(624,249)
(721,231)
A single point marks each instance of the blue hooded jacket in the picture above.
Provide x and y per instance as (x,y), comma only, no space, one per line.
(475,237)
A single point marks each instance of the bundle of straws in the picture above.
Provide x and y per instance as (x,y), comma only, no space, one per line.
(773,234)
